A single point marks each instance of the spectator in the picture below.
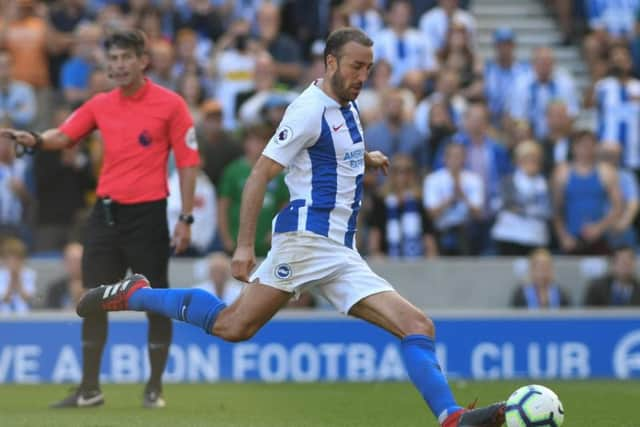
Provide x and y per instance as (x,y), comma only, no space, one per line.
(398,224)
(534,92)
(458,55)
(220,282)
(486,157)
(161,71)
(402,46)
(64,16)
(363,15)
(618,102)
(542,292)
(521,223)
(582,191)
(252,102)
(17,99)
(203,229)
(447,93)
(63,182)
(64,293)
(435,23)
(217,147)
(393,134)
(76,71)
(24,34)
(16,199)
(234,69)
(284,50)
(454,198)
(620,287)
(190,88)
(203,18)
(370,99)
(17,282)
(556,146)
(622,232)
(230,194)
(502,73)
(441,129)
(611,20)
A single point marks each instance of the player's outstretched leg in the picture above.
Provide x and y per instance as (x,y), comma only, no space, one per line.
(392,312)
(195,306)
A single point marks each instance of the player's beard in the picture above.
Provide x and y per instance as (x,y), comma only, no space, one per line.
(340,87)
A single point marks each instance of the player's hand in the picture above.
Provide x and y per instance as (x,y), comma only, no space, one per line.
(181,237)
(377,160)
(242,263)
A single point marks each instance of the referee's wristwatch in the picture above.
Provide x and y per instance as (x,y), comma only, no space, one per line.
(186,218)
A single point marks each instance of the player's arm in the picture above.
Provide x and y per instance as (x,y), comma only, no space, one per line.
(255,188)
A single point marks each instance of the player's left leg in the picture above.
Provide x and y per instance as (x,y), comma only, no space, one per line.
(392,312)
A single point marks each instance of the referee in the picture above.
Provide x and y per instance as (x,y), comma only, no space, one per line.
(140,122)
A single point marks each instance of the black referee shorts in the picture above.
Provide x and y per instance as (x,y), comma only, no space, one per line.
(137,239)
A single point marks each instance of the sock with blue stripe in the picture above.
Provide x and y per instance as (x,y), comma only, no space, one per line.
(195,306)
(419,353)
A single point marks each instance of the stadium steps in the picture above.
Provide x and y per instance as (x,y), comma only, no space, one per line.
(533,26)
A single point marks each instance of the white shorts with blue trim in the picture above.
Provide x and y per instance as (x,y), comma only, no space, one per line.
(299,261)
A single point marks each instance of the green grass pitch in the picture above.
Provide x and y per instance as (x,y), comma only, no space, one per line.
(587,403)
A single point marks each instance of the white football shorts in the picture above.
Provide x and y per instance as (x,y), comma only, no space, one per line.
(299,261)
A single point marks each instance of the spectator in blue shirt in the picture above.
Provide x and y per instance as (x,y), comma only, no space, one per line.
(18,105)
(394,134)
(76,71)
(502,73)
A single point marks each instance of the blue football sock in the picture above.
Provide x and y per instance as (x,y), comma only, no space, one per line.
(419,352)
(195,306)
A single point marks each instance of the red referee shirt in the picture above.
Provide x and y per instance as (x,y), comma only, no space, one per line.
(137,132)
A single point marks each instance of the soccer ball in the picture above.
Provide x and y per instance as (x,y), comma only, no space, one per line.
(534,406)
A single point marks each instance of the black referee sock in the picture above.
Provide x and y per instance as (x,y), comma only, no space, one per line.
(158,354)
(94,335)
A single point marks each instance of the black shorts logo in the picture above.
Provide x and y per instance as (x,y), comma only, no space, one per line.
(145,138)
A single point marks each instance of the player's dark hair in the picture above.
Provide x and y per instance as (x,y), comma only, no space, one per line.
(342,36)
(127,39)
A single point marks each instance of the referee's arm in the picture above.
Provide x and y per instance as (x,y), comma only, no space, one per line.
(51,140)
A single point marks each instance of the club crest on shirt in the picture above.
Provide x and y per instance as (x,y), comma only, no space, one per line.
(145,138)
(283,271)
(283,135)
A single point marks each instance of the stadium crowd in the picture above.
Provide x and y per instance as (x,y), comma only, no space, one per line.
(487,158)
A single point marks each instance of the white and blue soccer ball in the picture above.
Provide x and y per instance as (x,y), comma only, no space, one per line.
(534,406)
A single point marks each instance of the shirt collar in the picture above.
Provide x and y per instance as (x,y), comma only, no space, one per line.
(139,94)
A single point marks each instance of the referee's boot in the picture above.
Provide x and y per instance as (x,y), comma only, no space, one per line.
(489,416)
(153,397)
(113,297)
(81,398)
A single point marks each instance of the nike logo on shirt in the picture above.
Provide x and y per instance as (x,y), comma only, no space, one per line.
(337,128)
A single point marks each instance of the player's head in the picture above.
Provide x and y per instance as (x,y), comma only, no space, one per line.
(541,268)
(127,56)
(348,58)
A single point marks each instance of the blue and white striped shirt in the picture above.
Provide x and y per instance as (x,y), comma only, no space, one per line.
(500,83)
(618,116)
(321,145)
(617,17)
(532,97)
(410,51)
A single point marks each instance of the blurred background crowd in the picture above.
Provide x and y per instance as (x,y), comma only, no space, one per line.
(495,155)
